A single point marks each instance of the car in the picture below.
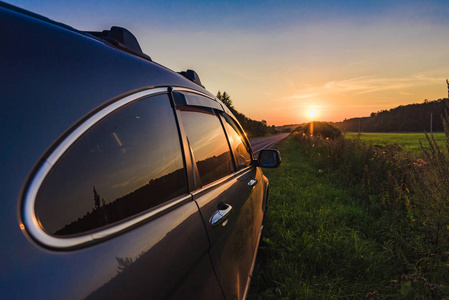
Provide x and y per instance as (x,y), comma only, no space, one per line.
(121,179)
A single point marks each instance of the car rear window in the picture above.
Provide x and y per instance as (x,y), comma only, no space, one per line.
(127,163)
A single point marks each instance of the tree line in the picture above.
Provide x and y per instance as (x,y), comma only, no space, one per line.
(404,118)
(252,128)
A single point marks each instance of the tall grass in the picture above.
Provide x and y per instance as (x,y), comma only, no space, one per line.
(318,238)
(353,220)
(412,194)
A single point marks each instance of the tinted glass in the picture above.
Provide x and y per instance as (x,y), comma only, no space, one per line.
(127,163)
(238,143)
(209,144)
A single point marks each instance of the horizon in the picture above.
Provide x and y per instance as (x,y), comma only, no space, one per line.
(280,60)
(369,116)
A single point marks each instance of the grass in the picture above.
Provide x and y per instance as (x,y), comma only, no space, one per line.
(407,141)
(327,238)
(319,242)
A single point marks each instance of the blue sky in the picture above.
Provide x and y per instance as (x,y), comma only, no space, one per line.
(278,59)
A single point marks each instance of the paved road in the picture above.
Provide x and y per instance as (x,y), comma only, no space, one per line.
(266,142)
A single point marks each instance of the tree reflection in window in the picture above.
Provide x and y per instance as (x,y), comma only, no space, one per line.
(208,142)
(238,143)
(129,162)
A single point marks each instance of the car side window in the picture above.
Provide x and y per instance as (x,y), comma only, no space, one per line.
(127,163)
(238,143)
(208,143)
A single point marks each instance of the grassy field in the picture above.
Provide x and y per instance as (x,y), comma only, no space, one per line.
(407,141)
(319,241)
(324,239)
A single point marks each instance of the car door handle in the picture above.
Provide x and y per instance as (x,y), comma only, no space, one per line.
(221,215)
(253,182)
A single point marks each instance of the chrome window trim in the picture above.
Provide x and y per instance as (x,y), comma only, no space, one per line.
(30,221)
(199,192)
(74,135)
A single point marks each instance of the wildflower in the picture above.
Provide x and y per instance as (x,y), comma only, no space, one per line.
(420,163)
(372,295)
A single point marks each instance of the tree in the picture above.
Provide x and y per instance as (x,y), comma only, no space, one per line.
(253,128)
(447,81)
(225,99)
(97,202)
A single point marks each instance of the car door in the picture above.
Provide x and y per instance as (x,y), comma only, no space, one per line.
(226,193)
(243,157)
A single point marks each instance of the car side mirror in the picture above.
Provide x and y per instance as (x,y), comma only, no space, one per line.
(269,158)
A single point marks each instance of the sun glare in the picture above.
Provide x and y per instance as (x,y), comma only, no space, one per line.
(311,113)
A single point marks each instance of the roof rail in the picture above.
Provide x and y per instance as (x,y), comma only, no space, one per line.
(121,38)
(192,75)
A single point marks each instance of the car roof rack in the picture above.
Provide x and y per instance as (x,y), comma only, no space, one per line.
(192,76)
(122,39)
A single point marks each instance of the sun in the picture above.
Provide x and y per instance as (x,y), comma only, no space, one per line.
(312,113)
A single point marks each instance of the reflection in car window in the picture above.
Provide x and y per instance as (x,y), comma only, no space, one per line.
(208,142)
(243,158)
(127,163)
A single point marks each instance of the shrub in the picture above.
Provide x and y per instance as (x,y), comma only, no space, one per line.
(320,129)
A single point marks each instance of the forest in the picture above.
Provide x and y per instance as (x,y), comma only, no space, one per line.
(404,118)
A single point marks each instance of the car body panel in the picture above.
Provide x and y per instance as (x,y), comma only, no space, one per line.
(232,243)
(96,272)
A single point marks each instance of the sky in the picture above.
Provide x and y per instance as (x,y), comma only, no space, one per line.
(280,59)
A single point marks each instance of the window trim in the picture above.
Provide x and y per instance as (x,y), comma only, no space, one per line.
(31,223)
(211,186)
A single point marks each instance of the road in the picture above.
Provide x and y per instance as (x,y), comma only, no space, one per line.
(266,142)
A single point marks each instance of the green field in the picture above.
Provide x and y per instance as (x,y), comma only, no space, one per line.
(319,241)
(407,141)
(331,233)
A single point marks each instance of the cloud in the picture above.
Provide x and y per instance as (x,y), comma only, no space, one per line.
(303,96)
(366,85)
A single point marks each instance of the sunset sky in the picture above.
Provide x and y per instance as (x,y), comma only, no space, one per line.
(279,59)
